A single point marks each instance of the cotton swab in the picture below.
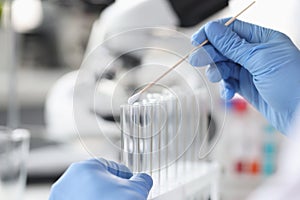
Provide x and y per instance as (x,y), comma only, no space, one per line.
(136,96)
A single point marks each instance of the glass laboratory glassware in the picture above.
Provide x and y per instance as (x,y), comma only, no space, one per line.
(141,125)
(14,148)
(163,134)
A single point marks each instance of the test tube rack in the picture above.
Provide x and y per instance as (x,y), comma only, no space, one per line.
(163,135)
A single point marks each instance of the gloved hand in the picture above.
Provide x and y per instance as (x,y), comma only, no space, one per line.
(100,179)
(260,64)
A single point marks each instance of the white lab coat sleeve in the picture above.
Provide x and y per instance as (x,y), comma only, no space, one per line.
(285,183)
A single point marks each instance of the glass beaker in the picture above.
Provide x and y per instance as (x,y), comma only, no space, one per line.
(14,148)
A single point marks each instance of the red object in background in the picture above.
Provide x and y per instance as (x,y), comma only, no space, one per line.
(240,105)
(239,167)
(255,167)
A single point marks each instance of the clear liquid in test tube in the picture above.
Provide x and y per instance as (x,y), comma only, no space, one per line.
(172,132)
(156,137)
(126,136)
(135,131)
(136,136)
(146,137)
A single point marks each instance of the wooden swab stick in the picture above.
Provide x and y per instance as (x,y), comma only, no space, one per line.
(136,96)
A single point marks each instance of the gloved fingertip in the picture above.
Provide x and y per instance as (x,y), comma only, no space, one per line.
(202,57)
(213,74)
(214,28)
(124,172)
(194,42)
(228,94)
(193,60)
(116,169)
(198,37)
(143,179)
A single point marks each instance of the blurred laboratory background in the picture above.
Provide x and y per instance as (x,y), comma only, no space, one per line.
(53,60)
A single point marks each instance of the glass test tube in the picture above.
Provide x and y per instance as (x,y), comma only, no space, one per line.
(164,137)
(146,137)
(136,138)
(172,131)
(135,128)
(126,137)
(182,133)
(159,130)
(156,127)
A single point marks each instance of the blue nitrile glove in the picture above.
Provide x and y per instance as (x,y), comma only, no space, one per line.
(100,179)
(260,64)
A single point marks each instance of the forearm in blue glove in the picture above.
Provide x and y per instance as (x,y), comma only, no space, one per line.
(100,179)
(261,64)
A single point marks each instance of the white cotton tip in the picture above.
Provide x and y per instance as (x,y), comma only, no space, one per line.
(134,98)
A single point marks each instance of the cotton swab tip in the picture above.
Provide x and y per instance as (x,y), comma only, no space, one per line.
(134,98)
